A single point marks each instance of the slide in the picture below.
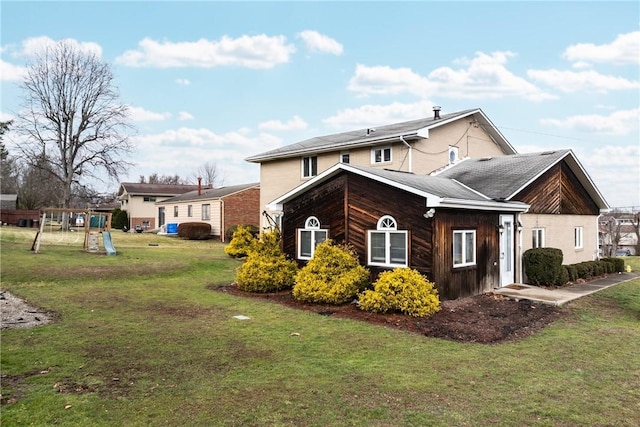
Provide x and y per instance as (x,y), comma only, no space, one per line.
(108,243)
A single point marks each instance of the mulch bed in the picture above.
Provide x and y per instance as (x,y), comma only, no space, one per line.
(486,318)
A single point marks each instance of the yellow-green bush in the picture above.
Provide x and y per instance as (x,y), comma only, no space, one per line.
(404,290)
(240,243)
(266,268)
(332,276)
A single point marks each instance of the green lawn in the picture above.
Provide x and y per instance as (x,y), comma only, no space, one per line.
(141,341)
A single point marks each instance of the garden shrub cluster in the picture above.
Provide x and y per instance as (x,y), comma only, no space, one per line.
(194,230)
(242,240)
(266,268)
(334,275)
(544,267)
(404,290)
(119,219)
(229,234)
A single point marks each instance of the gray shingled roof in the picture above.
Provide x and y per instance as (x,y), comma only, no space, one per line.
(209,193)
(441,187)
(502,177)
(382,134)
(140,189)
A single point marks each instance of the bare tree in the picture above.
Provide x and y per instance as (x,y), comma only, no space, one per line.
(636,228)
(210,175)
(71,116)
(154,178)
(8,165)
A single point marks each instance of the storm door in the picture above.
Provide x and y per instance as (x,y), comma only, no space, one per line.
(507,251)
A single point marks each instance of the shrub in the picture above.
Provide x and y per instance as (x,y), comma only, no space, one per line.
(583,269)
(241,242)
(572,272)
(266,268)
(543,266)
(229,234)
(332,276)
(194,230)
(563,278)
(618,264)
(404,290)
(119,219)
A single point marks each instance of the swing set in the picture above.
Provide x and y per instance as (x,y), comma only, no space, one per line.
(56,227)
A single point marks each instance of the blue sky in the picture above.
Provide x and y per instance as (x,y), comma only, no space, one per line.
(219,81)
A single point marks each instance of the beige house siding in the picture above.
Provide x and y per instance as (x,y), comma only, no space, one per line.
(138,210)
(277,177)
(559,233)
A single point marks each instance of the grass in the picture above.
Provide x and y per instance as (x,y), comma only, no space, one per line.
(140,341)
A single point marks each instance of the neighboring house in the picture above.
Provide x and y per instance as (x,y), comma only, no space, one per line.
(618,233)
(418,146)
(221,207)
(565,204)
(139,200)
(465,228)
(8,202)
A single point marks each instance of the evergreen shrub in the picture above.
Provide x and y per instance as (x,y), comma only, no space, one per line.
(194,230)
(618,264)
(402,290)
(543,266)
(119,219)
(266,268)
(228,235)
(333,276)
(241,242)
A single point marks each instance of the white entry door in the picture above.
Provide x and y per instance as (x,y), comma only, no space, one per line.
(506,250)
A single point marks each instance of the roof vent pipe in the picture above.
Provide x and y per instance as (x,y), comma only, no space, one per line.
(199,186)
(436,112)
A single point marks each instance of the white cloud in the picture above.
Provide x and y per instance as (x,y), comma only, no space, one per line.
(184,116)
(5,117)
(139,114)
(183,82)
(622,122)
(378,115)
(294,123)
(10,72)
(260,51)
(483,77)
(625,49)
(36,45)
(571,81)
(316,42)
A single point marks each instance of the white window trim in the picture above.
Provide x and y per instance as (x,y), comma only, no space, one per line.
(465,262)
(312,225)
(382,149)
(541,237)
(578,237)
(311,172)
(387,225)
(208,217)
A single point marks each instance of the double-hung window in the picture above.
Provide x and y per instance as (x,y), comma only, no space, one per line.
(309,237)
(577,238)
(381,155)
(538,238)
(309,167)
(387,246)
(464,248)
(206,212)
(189,211)
(175,211)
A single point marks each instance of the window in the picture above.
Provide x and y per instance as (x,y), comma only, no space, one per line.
(464,248)
(309,237)
(381,155)
(577,237)
(344,158)
(175,211)
(309,167)
(538,238)
(189,211)
(149,199)
(206,212)
(387,246)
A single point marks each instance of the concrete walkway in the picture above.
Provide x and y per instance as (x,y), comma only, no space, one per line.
(565,294)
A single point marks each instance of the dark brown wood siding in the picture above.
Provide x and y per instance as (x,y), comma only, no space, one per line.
(558,191)
(465,281)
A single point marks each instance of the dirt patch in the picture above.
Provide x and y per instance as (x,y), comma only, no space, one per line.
(485,318)
(18,313)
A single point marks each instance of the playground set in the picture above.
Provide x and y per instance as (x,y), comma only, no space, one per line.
(56,226)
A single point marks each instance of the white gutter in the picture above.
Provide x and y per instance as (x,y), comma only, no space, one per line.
(481,205)
(410,153)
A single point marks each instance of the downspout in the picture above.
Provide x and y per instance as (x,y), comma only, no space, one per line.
(597,255)
(222,230)
(410,153)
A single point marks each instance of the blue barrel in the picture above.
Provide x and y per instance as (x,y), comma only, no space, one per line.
(172,228)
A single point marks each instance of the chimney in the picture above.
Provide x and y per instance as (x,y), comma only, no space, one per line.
(436,112)
(199,186)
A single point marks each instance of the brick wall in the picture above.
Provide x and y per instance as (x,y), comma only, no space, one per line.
(242,208)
